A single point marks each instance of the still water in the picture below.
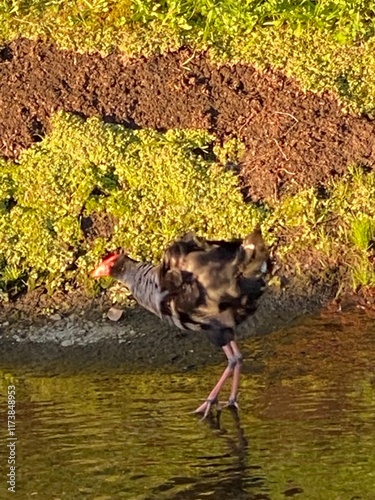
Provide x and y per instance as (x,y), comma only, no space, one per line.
(305,429)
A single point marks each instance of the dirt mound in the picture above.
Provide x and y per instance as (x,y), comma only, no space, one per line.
(293,138)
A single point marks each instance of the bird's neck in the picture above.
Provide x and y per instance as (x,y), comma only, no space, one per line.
(143,281)
(126,270)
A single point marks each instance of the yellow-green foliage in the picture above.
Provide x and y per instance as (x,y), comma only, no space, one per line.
(337,227)
(85,24)
(155,186)
(363,231)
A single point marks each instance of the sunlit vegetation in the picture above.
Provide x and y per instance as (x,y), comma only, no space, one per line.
(144,187)
(153,187)
(326,45)
(91,187)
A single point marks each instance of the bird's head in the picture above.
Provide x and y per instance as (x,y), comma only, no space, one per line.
(106,266)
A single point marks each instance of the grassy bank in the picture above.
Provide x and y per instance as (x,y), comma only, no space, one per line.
(326,45)
(89,187)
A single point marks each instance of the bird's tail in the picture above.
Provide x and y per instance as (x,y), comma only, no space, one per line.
(254,260)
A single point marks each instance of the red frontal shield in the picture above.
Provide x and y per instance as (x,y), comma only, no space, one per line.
(104,268)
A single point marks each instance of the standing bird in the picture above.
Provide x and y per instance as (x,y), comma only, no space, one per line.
(200,285)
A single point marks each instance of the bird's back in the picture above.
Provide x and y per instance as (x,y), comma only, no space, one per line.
(212,285)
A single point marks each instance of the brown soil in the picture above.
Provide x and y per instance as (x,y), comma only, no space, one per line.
(293,138)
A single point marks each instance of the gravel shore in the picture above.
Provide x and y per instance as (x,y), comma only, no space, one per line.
(138,339)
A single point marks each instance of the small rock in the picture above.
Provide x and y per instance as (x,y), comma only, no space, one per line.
(60,334)
(106,330)
(114,314)
(67,342)
(55,317)
(91,335)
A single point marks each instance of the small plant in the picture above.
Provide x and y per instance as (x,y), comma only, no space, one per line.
(154,186)
(363,232)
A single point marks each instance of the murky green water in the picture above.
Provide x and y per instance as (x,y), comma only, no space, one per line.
(306,427)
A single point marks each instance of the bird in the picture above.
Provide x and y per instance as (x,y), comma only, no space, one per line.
(200,285)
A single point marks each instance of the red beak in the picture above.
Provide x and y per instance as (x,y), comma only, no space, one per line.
(105,267)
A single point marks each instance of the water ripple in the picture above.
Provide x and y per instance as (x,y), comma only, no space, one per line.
(305,428)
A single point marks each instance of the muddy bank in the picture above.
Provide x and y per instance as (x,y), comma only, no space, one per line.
(87,339)
(293,138)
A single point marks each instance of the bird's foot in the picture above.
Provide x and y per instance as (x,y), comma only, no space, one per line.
(205,407)
(232,403)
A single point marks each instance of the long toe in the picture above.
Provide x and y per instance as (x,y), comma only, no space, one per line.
(232,403)
(205,407)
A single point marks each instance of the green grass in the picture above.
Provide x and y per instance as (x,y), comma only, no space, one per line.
(363,232)
(154,186)
(334,233)
(325,44)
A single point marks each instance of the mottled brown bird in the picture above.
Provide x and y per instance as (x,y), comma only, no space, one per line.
(200,285)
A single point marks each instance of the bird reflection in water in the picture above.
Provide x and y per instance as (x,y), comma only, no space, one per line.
(238,479)
(225,476)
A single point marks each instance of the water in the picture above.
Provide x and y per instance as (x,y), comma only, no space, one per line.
(305,430)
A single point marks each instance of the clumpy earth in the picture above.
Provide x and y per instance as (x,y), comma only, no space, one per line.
(293,138)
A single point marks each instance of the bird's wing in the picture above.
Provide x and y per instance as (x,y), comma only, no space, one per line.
(203,278)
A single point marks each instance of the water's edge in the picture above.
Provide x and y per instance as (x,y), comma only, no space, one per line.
(139,339)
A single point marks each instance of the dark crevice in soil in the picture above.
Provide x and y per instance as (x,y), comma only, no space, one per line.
(293,138)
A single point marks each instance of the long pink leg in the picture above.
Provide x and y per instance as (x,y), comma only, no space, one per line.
(236,374)
(231,354)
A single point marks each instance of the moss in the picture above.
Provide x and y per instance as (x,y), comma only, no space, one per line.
(154,185)
(336,230)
